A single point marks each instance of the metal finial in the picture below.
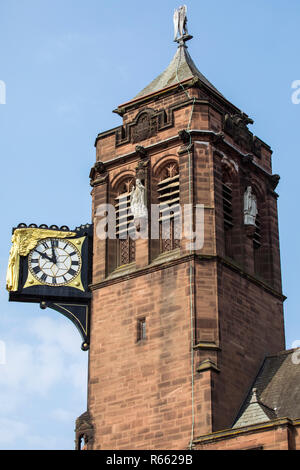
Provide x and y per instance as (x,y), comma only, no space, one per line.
(181,34)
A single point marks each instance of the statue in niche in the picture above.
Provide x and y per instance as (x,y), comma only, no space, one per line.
(250,207)
(137,204)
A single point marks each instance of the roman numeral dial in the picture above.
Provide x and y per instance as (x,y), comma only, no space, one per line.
(54,262)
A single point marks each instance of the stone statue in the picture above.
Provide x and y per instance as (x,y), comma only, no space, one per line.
(180,22)
(250,207)
(137,203)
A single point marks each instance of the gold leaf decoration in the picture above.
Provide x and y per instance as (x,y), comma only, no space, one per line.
(23,241)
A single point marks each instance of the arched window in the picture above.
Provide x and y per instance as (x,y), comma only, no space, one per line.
(124,223)
(169,207)
(231,207)
(82,442)
(260,238)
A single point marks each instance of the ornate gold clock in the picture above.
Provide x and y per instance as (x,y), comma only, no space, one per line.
(52,266)
(55,262)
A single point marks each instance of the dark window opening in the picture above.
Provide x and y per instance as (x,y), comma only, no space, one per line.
(228,218)
(227,206)
(82,442)
(257,233)
(141,329)
(257,251)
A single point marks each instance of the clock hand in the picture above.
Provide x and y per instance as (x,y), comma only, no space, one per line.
(44,255)
(54,259)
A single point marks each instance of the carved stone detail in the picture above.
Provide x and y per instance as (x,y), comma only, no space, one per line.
(274,181)
(126,186)
(146,126)
(236,126)
(185,149)
(185,136)
(169,171)
(141,151)
(142,166)
(250,231)
(98,174)
(84,430)
(218,138)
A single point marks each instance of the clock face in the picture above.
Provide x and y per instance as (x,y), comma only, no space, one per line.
(54,262)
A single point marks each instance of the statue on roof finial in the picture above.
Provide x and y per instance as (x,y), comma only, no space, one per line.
(180,25)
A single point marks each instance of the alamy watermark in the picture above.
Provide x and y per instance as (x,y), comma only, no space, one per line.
(2,92)
(296,93)
(2,353)
(188,223)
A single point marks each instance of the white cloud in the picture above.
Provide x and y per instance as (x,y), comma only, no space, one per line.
(11,430)
(63,416)
(56,331)
(35,371)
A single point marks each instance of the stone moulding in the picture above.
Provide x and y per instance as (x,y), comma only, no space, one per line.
(208,364)
(154,266)
(229,433)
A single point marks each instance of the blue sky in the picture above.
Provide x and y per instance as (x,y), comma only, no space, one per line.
(67,64)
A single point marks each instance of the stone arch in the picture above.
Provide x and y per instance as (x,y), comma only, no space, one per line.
(121,178)
(122,250)
(261,232)
(162,163)
(166,193)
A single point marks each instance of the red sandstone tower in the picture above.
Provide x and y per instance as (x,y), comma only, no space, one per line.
(178,335)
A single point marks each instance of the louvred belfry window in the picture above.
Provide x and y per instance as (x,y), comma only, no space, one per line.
(257,233)
(257,250)
(227,205)
(169,208)
(227,197)
(124,224)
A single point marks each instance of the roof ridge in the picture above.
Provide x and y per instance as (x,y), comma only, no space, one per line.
(284,352)
(181,68)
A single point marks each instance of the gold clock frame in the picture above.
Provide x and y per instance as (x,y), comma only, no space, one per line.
(76,282)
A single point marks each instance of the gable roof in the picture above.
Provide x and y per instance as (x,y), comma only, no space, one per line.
(276,390)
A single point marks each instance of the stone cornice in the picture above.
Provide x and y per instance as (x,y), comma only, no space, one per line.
(210,135)
(214,98)
(136,103)
(166,120)
(158,265)
(240,270)
(133,155)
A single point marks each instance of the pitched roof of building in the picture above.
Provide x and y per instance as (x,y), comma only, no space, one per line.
(181,68)
(276,391)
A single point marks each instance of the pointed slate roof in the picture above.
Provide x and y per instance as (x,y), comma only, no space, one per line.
(181,68)
(256,412)
(277,391)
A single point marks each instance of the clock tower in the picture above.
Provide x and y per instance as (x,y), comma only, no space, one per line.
(178,329)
